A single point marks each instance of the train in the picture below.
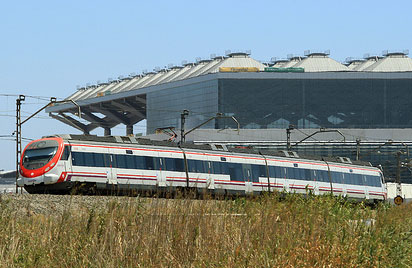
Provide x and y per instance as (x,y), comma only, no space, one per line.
(61,163)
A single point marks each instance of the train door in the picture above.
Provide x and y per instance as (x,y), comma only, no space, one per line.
(210,184)
(247,175)
(366,186)
(158,165)
(344,185)
(314,178)
(111,172)
(65,164)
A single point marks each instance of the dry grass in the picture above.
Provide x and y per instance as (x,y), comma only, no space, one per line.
(264,232)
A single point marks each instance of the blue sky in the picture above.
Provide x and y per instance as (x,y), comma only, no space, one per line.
(49,47)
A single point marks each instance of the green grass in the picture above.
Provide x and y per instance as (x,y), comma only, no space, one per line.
(262,232)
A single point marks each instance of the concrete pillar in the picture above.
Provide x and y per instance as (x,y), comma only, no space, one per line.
(129,130)
(107,131)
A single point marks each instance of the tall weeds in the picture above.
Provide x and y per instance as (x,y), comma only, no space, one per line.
(262,232)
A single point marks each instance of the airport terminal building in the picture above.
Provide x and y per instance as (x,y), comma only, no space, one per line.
(367,103)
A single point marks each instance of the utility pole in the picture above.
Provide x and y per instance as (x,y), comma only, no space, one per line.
(398,198)
(357,148)
(182,123)
(18,135)
(291,127)
(19,123)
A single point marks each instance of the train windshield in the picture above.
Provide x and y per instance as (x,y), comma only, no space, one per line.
(39,153)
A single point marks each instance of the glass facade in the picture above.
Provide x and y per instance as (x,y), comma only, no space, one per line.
(315,103)
(165,106)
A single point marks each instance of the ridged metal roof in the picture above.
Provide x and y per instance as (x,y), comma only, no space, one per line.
(368,62)
(352,64)
(393,62)
(292,61)
(320,62)
(191,70)
(280,63)
(183,70)
(314,62)
(238,60)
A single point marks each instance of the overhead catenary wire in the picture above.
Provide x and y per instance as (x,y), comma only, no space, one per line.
(45,98)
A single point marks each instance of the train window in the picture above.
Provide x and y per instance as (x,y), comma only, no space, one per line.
(220,168)
(357,179)
(99,160)
(349,178)
(301,173)
(323,175)
(89,159)
(129,152)
(216,168)
(144,162)
(364,180)
(120,161)
(82,159)
(373,181)
(290,173)
(139,162)
(277,172)
(345,178)
(224,168)
(169,164)
(377,181)
(293,173)
(66,153)
(77,159)
(130,163)
(272,172)
(180,164)
(281,172)
(263,172)
(313,174)
(174,164)
(198,166)
(336,177)
(235,172)
(308,174)
(368,180)
(258,171)
(149,163)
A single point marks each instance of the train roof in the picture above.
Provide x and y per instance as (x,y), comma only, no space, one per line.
(209,147)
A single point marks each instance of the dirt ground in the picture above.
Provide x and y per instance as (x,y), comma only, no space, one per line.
(54,204)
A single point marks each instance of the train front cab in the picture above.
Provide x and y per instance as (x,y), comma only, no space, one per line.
(40,164)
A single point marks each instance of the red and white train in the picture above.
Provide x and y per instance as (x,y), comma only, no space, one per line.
(57,164)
